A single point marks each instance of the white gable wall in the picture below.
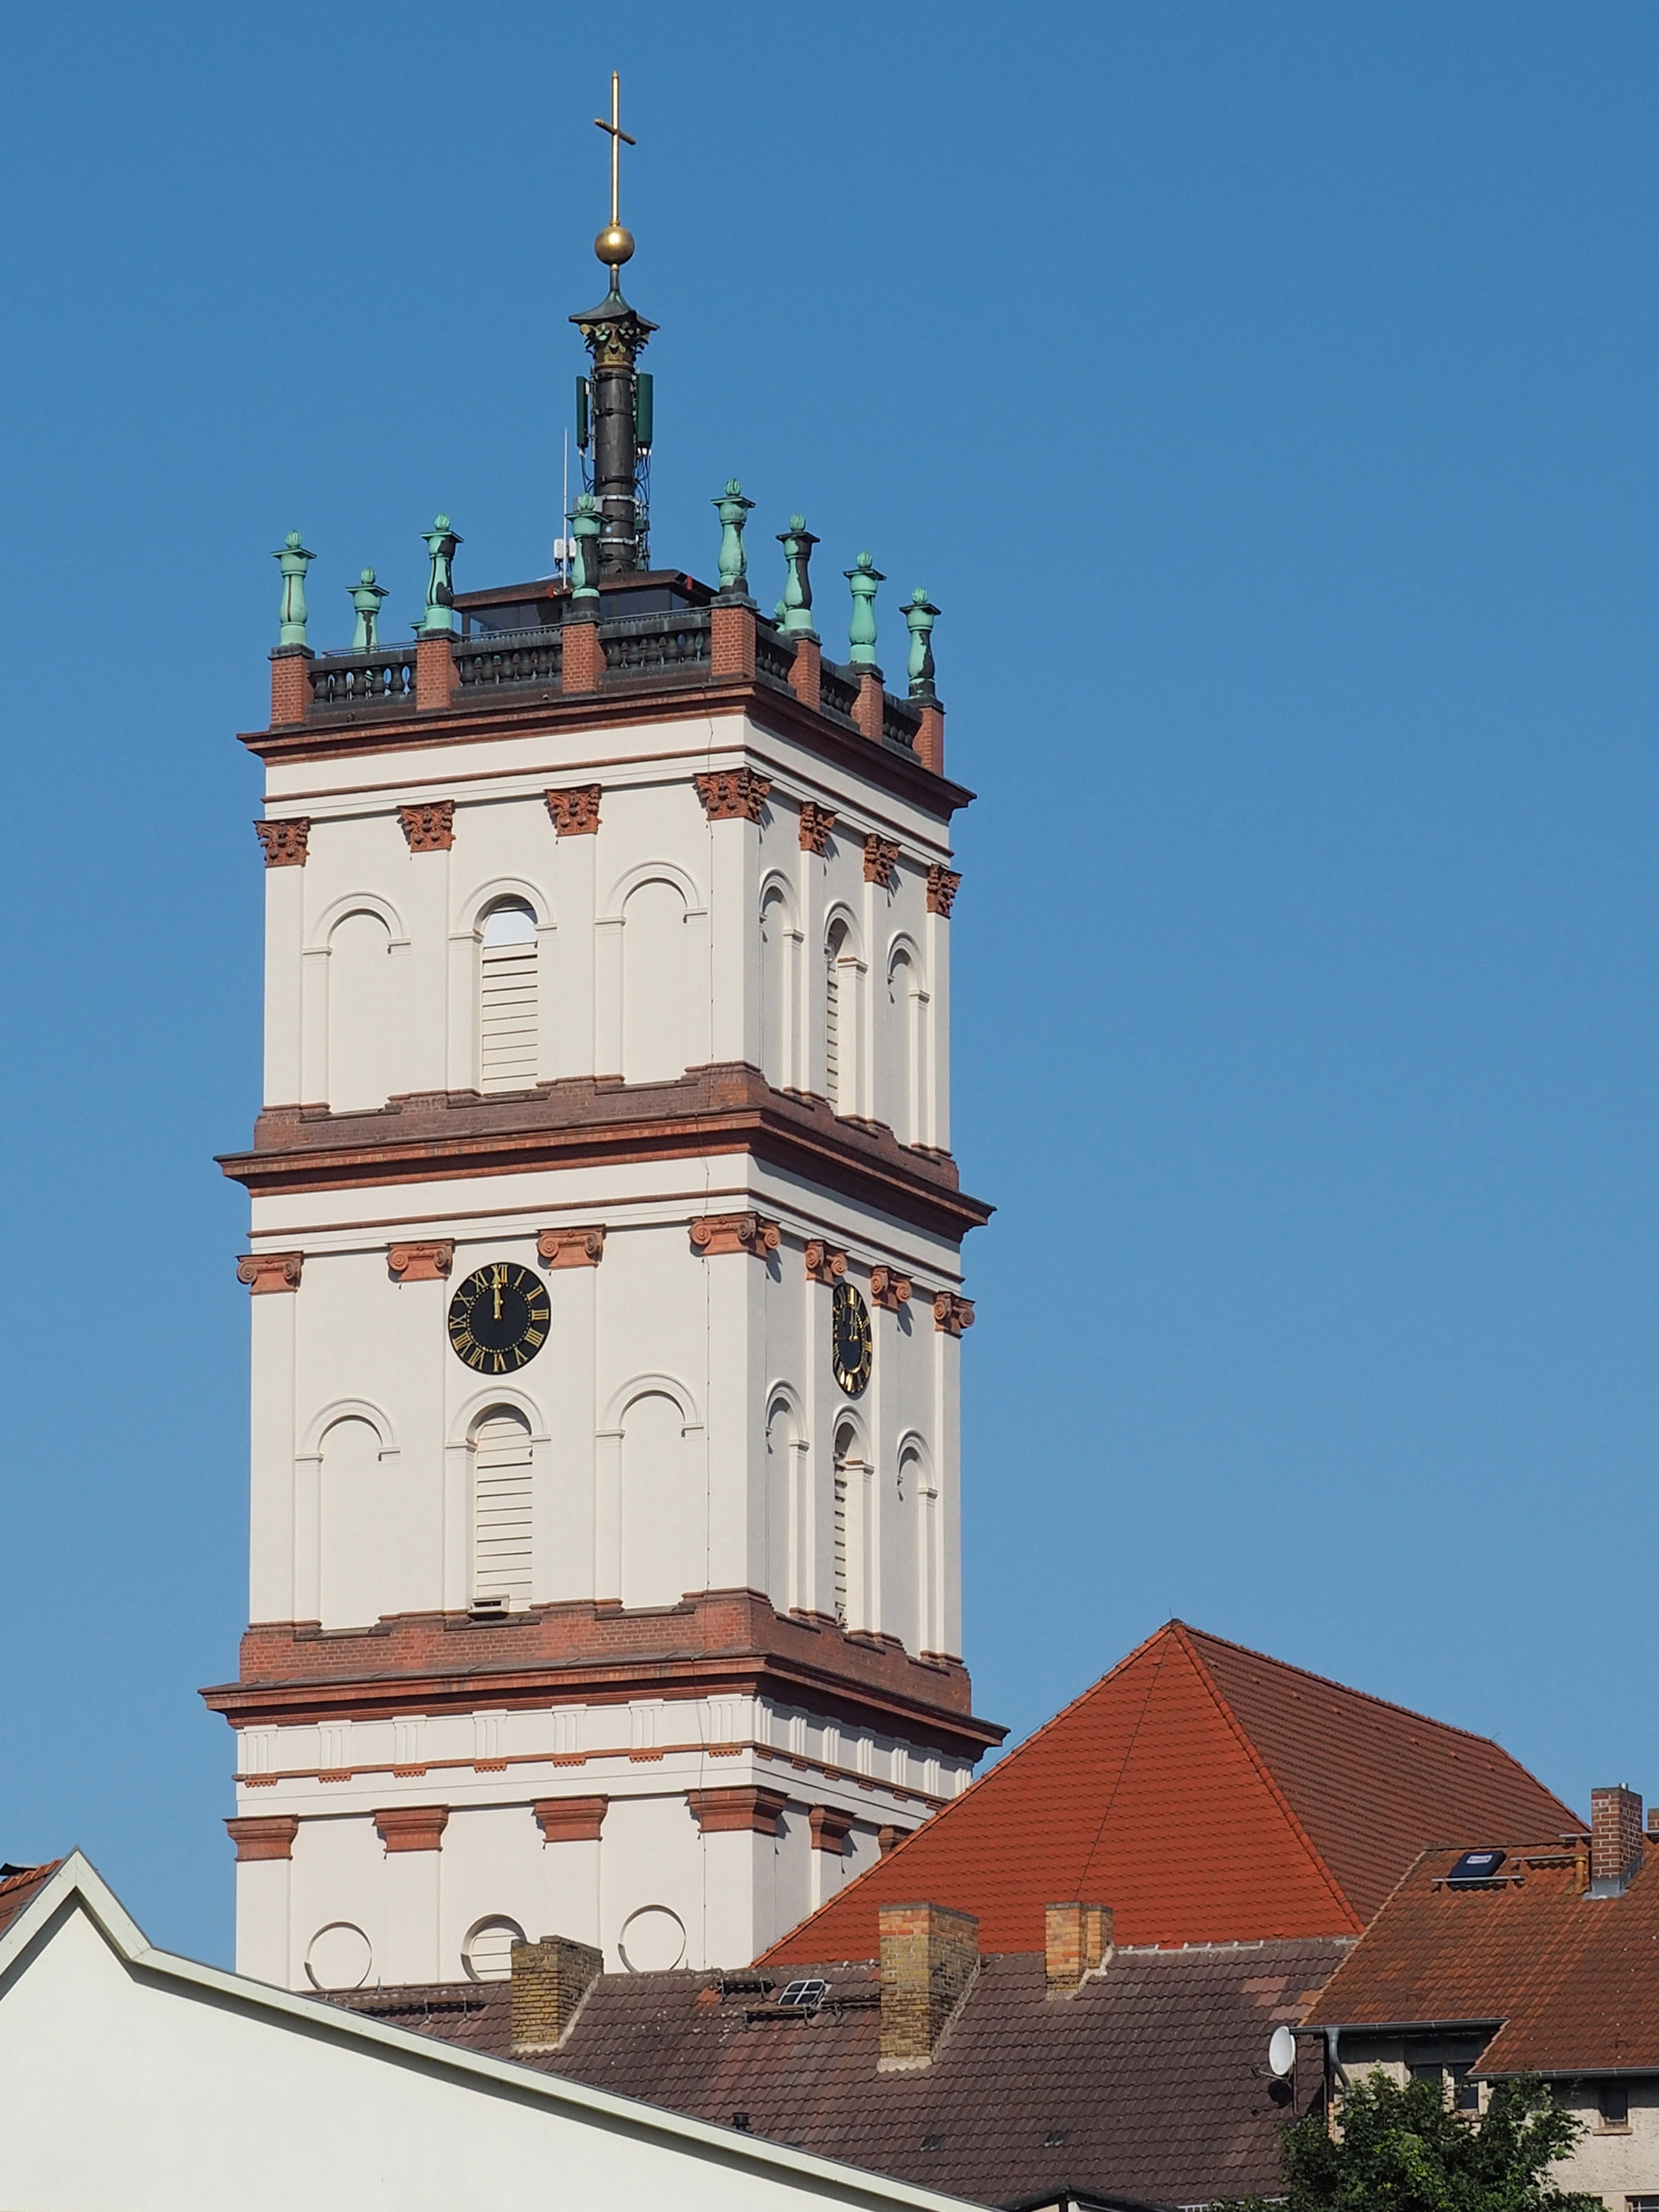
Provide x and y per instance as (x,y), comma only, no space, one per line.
(137,2082)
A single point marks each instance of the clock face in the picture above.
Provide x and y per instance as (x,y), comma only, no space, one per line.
(849,1340)
(499,1318)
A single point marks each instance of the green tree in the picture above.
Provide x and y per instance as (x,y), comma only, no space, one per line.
(1407,2150)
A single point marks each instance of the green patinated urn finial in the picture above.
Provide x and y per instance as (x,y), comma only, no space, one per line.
(921,614)
(439,620)
(864,576)
(295,560)
(586,523)
(366,597)
(797,542)
(734,561)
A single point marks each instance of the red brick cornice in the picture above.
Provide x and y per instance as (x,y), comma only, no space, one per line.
(738,1810)
(830,1829)
(580,1122)
(570,1819)
(413,1827)
(344,736)
(266,1836)
(719,1642)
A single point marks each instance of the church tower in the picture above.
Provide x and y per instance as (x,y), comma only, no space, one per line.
(605,1261)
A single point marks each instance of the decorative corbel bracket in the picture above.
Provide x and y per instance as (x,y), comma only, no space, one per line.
(285,842)
(816,823)
(571,1247)
(422,1263)
(270,1271)
(430,827)
(715,1233)
(943,885)
(822,1264)
(734,794)
(880,859)
(888,1288)
(576,812)
(952,1314)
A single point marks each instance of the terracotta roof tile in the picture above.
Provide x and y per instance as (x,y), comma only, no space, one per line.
(1207,1794)
(1572,1977)
(17,1887)
(1145,2084)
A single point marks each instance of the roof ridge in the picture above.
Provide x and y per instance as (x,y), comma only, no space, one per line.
(1185,1636)
(1329,1682)
(930,1826)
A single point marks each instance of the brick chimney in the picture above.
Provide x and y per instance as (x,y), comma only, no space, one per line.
(929,1957)
(1076,1939)
(549,1980)
(1615,1840)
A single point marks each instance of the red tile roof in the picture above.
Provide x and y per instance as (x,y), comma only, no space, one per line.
(1207,1794)
(1571,1976)
(19,1886)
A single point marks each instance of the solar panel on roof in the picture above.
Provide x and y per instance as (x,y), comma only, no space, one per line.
(1477,1865)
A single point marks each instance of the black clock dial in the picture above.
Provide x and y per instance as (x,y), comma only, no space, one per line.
(849,1340)
(499,1318)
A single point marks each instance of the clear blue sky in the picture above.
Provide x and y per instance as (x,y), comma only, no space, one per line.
(1267,395)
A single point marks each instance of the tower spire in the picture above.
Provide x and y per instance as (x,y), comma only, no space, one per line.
(614,408)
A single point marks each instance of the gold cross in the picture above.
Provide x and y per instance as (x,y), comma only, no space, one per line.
(619,138)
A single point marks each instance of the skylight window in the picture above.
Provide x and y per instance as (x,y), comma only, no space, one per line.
(1476,1867)
(804,1996)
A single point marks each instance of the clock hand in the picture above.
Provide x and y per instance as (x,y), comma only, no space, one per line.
(498,1301)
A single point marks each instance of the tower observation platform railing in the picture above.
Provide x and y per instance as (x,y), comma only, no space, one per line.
(667,648)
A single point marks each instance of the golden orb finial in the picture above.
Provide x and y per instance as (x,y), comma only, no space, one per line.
(615,245)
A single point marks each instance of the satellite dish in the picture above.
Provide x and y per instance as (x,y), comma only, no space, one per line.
(1281,2052)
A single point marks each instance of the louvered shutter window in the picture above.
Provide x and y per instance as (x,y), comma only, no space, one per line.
(502,1510)
(507,1000)
(832,1015)
(840,1552)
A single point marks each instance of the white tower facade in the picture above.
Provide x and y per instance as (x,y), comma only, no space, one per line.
(606,1291)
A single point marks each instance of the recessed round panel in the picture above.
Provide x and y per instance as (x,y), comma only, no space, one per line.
(653,1939)
(1281,2051)
(339,1957)
(486,1954)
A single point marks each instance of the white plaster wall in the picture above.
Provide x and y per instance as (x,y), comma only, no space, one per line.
(151,2092)
(648,1409)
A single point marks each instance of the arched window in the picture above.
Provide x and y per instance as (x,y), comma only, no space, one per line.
(778,943)
(352,1518)
(364,1033)
(783,1505)
(502,1512)
(834,948)
(663,1548)
(655,980)
(846,1530)
(507,998)
(903,1055)
(920,1499)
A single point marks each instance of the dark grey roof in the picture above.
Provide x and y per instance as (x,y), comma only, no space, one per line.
(1151,2082)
